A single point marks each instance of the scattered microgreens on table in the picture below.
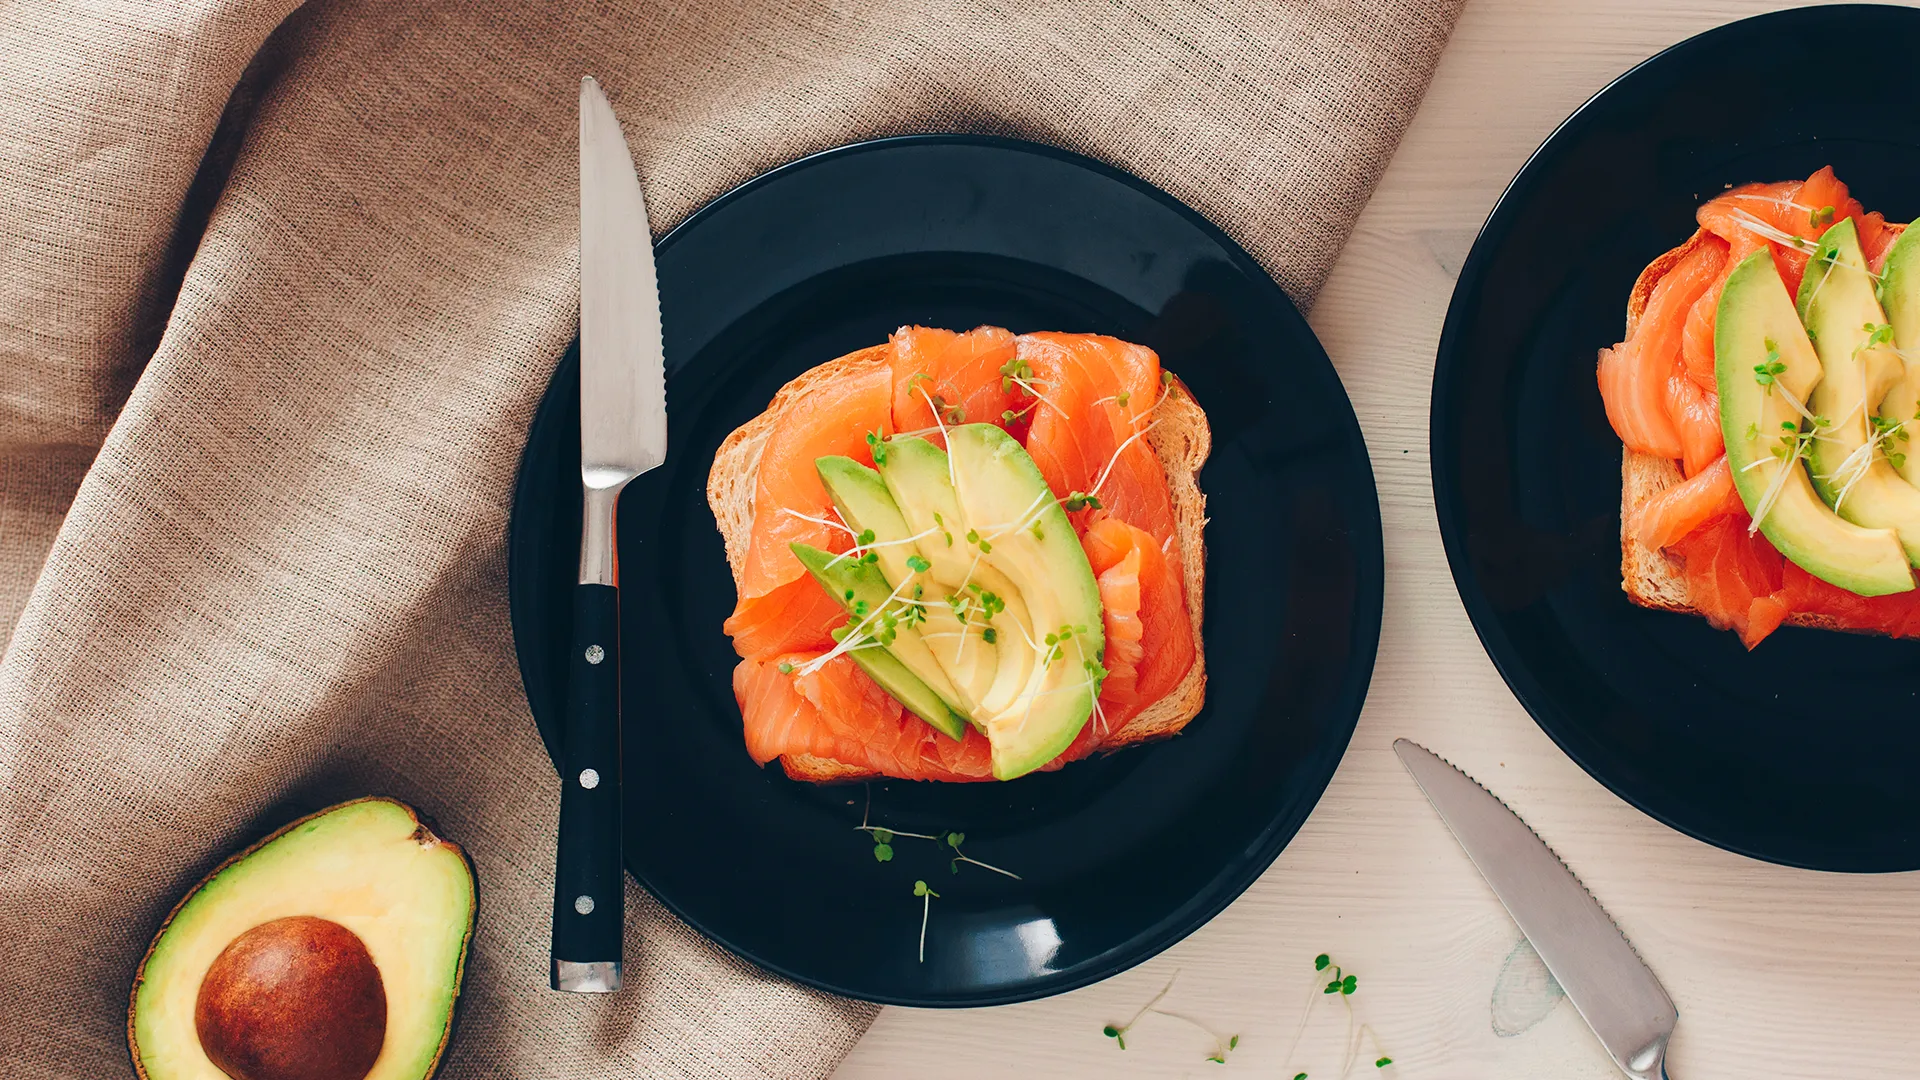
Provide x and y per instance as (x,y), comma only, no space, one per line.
(883,839)
(1341,984)
(1222,1044)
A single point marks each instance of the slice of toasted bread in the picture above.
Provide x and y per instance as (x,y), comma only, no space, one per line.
(1181,440)
(1651,578)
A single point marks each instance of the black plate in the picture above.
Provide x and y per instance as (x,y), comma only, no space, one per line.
(1802,751)
(1122,856)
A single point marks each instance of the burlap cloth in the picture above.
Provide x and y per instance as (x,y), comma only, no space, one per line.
(279,288)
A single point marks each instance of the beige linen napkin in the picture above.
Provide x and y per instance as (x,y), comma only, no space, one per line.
(279,288)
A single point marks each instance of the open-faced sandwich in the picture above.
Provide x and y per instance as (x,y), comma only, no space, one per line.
(1766,392)
(965,557)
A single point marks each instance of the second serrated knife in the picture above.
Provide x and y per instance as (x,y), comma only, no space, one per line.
(1588,955)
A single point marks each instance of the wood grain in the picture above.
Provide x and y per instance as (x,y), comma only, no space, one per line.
(1777,972)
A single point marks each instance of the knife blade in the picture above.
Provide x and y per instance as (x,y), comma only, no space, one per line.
(623,433)
(1588,955)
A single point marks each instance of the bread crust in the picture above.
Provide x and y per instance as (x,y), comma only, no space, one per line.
(1180,439)
(1652,578)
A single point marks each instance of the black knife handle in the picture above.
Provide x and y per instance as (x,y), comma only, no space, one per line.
(589,885)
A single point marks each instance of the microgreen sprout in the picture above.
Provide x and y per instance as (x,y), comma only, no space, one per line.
(786,668)
(1877,334)
(1341,986)
(943,528)
(918,565)
(1766,374)
(926,909)
(878,444)
(1822,216)
(1770,232)
(954,840)
(1018,372)
(989,636)
(1222,1044)
(1080,500)
(1753,431)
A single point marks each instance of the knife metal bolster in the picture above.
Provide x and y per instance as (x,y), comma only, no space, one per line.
(597,977)
(599,546)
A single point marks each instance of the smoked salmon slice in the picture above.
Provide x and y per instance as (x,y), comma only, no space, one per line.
(789,502)
(1686,506)
(961,373)
(797,615)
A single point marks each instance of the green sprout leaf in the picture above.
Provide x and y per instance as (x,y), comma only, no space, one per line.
(990,636)
(1386,1061)
(883,853)
(786,668)
(918,565)
(1822,216)
(1110,1031)
(1347,984)
(1320,962)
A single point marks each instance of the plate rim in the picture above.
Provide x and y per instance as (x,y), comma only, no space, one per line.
(1447,357)
(1181,921)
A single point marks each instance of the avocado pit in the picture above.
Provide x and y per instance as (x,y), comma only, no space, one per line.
(297,998)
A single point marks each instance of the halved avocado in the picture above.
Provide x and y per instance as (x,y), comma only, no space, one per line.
(1858,368)
(1761,355)
(859,587)
(1900,295)
(332,950)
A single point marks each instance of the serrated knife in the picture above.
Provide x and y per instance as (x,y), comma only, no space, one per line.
(1588,955)
(623,433)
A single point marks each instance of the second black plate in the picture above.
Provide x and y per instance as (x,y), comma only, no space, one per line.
(1121,856)
(1801,751)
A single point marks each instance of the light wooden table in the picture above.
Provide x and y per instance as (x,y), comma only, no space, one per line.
(1777,972)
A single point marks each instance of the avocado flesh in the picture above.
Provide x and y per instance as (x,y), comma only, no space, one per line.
(887,672)
(900,678)
(1003,497)
(369,866)
(864,504)
(1756,319)
(1837,306)
(1900,293)
(917,473)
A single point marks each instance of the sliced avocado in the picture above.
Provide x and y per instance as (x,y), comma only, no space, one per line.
(1018,527)
(917,474)
(1761,355)
(886,670)
(1857,365)
(1900,293)
(878,615)
(334,947)
(957,672)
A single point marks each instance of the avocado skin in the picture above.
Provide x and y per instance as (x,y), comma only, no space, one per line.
(422,822)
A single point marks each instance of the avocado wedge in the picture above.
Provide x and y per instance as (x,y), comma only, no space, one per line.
(333,949)
(1763,362)
(861,589)
(1900,295)
(1850,459)
(1017,526)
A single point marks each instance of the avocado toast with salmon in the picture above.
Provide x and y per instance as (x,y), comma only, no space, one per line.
(965,557)
(1766,394)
